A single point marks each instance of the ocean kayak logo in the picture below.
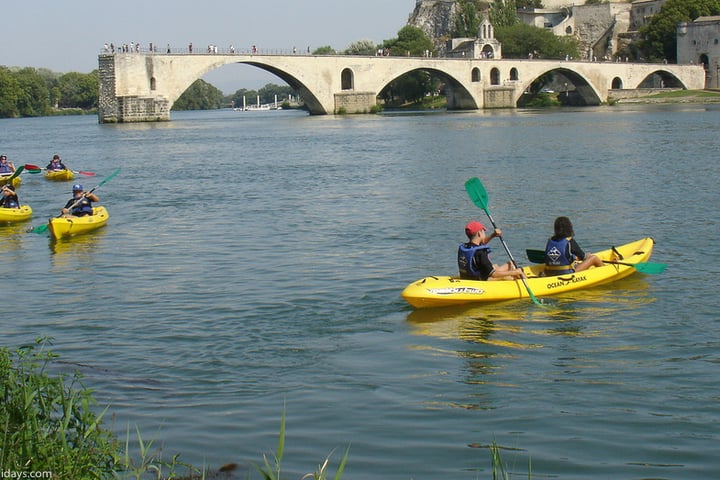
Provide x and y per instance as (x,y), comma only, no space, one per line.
(456,290)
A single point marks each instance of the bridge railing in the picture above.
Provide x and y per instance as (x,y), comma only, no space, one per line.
(231,50)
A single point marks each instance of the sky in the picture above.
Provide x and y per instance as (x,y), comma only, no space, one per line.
(67,36)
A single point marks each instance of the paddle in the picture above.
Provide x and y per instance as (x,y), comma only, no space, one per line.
(538,256)
(17,172)
(36,169)
(43,228)
(479,197)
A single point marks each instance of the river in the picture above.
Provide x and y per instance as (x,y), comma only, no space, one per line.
(253,262)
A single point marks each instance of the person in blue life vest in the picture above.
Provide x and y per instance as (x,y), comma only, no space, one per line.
(9,198)
(56,164)
(6,166)
(563,255)
(474,257)
(80,204)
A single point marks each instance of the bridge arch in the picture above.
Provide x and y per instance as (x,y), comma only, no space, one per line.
(585,93)
(458,96)
(661,79)
(617,83)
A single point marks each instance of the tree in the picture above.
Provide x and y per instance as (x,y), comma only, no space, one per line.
(467,20)
(77,90)
(325,50)
(34,99)
(411,40)
(199,96)
(659,36)
(10,91)
(521,39)
(362,47)
(503,13)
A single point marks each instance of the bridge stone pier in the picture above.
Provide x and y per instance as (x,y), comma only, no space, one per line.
(138,87)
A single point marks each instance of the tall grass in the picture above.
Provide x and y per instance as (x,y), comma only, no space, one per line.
(47,421)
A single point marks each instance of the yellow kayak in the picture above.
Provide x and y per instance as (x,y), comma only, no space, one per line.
(4,178)
(439,291)
(61,227)
(11,215)
(59,175)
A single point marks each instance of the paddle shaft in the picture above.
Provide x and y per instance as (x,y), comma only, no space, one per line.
(479,197)
(512,259)
(538,256)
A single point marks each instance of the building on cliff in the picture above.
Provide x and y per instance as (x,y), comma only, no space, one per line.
(697,42)
(605,30)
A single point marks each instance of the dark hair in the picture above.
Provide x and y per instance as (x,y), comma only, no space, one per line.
(563,227)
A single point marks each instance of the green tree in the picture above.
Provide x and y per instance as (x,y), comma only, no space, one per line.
(325,50)
(270,90)
(77,90)
(467,20)
(34,101)
(503,13)
(200,96)
(411,41)
(10,92)
(521,39)
(659,36)
(361,47)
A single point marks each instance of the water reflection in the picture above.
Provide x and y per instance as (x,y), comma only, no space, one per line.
(521,325)
(79,248)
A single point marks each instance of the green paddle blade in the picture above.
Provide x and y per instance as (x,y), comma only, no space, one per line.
(34,170)
(40,228)
(476,192)
(651,268)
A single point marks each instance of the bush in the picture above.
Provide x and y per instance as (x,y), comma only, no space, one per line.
(47,423)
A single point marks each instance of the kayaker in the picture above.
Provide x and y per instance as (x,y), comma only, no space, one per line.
(562,252)
(81,203)
(56,164)
(9,198)
(5,165)
(474,257)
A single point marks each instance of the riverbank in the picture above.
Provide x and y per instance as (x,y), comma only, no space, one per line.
(677,96)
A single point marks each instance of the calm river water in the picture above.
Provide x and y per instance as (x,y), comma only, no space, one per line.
(254,261)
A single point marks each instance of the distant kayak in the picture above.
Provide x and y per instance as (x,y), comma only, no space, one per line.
(59,175)
(11,215)
(438,291)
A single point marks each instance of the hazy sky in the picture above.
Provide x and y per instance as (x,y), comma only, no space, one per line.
(67,36)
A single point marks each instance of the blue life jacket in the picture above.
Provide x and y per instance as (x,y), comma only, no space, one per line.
(5,168)
(465,260)
(83,208)
(558,259)
(11,202)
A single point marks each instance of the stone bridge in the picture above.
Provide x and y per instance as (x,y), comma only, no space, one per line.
(140,87)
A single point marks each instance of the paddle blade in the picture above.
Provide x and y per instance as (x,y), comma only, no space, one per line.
(33,170)
(477,193)
(650,267)
(40,229)
(535,256)
(87,174)
(30,166)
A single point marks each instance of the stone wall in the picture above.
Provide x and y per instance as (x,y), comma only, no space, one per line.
(354,102)
(107,101)
(126,108)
